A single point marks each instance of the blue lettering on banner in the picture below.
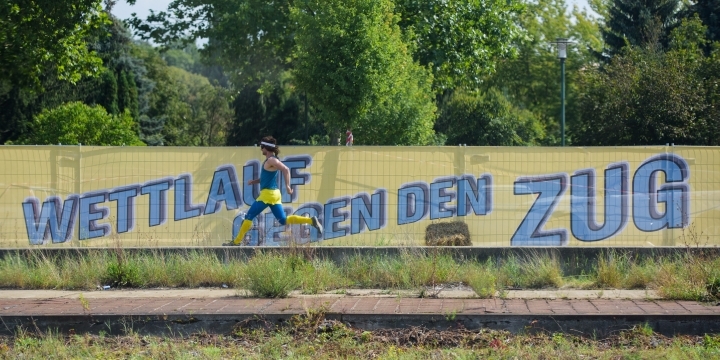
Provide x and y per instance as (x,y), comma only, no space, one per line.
(237,223)
(334,215)
(224,188)
(253,235)
(251,171)
(660,199)
(368,212)
(53,219)
(412,204)
(674,193)
(90,213)
(583,221)
(439,197)
(530,232)
(184,208)
(310,210)
(294,163)
(125,197)
(273,228)
(475,195)
(158,200)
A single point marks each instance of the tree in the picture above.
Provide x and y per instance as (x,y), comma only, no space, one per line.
(255,38)
(112,44)
(195,112)
(166,108)
(215,116)
(108,94)
(647,96)
(460,40)
(531,81)
(710,72)
(487,120)
(405,117)
(128,94)
(278,110)
(76,123)
(638,23)
(252,37)
(118,52)
(188,57)
(38,34)
(351,61)
(709,13)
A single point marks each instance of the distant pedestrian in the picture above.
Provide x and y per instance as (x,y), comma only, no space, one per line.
(348,138)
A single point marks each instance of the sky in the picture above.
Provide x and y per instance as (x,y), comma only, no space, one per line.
(123,10)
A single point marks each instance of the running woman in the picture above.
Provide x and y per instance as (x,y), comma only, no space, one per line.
(270,194)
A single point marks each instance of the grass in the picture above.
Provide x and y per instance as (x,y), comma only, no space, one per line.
(312,337)
(684,275)
(688,278)
(482,279)
(272,275)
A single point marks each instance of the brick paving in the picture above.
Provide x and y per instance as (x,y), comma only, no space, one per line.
(349,305)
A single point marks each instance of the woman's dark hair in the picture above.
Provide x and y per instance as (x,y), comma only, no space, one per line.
(270,140)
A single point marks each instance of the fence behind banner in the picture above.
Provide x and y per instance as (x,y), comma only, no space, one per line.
(54,196)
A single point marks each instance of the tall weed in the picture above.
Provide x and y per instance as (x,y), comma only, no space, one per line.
(482,278)
(320,275)
(271,275)
(611,269)
(535,270)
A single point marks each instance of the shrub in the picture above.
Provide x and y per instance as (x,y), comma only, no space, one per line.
(76,123)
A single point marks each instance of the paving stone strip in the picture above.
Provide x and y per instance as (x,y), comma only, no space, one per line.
(173,312)
(568,294)
(348,305)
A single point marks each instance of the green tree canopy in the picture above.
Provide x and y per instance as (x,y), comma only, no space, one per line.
(488,120)
(709,13)
(76,123)
(461,40)
(40,34)
(647,96)
(278,110)
(531,81)
(638,23)
(254,38)
(351,61)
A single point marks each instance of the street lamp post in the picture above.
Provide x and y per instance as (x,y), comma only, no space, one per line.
(562,44)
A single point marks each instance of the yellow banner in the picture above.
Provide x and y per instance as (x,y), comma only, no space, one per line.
(379,196)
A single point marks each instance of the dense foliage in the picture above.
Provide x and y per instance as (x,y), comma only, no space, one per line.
(396,72)
(78,124)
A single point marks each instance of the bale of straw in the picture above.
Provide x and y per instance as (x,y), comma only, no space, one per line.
(454,233)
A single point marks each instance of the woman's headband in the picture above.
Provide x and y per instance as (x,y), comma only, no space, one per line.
(267,144)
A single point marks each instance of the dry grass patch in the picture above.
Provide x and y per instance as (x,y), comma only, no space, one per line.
(454,233)
(686,278)
(312,336)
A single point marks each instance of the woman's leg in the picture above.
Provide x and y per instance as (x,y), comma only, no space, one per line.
(279,213)
(255,210)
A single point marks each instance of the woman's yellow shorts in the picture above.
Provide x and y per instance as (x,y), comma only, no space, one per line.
(270,196)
